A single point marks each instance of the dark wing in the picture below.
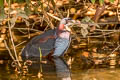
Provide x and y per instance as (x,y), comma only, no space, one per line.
(32,49)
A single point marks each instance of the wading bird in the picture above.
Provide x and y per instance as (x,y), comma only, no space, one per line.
(56,41)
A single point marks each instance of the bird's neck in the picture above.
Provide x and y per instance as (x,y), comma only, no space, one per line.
(61,27)
(61,32)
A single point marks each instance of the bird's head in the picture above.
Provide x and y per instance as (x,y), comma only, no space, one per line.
(65,24)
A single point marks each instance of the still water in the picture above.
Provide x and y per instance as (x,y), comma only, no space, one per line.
(57,69)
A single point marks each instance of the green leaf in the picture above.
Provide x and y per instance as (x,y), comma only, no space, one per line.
(2,8)
(27,7)
(27,10)
(40,4)
(101,2)
(111,1)
(2,17)
(14,1)
(20,1)
(28,2)
(86,19)
(1,3)
(2,12)
(93,1)
(40,54)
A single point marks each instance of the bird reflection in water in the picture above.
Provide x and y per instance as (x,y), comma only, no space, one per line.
(57,69)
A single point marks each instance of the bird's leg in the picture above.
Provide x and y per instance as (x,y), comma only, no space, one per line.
(49,56)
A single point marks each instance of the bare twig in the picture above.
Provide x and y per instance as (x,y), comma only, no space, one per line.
(10,53)
(11,37)
(51,15)
(115,49)
(108,30)
(24,29)
(49,21)
(102,34)
(20,43)
(100,23)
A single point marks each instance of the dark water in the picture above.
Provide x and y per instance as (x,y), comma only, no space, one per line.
(57,69)
(60,69)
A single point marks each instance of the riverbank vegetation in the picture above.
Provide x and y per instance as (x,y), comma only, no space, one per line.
(96,41)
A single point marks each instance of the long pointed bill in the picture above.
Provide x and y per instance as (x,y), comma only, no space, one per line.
(69,25)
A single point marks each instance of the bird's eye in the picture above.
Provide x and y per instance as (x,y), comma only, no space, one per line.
(68,20)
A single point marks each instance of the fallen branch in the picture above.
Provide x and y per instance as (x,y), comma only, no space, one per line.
(51,15)
(102,34)
(115,49)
